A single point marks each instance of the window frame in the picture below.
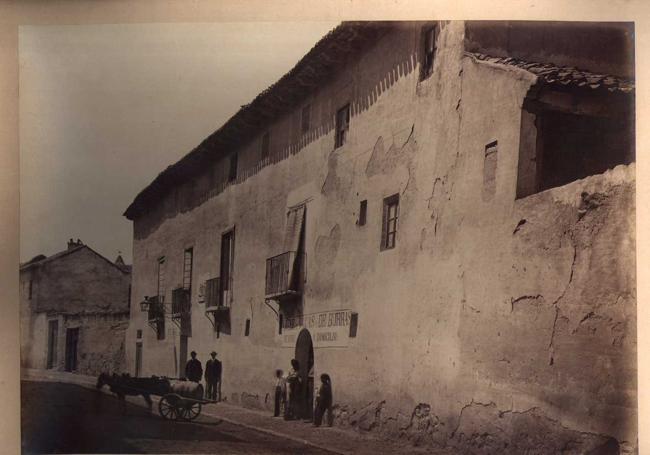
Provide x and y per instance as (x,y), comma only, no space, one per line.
(226,285)
(187,275)
(388,236)
(160,324)
(160,281)
(342,126)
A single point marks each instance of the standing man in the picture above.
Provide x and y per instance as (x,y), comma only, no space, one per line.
(213,377)
(193,369)
(280,393)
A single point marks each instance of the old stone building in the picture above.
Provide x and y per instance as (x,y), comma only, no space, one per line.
(439,215)
(74,311)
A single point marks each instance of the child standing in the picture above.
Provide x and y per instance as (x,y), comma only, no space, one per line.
(324,401)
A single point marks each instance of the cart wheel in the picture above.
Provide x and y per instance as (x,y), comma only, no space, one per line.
(168,407)
(190,411)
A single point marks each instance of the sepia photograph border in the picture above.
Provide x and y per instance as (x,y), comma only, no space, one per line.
(59,12)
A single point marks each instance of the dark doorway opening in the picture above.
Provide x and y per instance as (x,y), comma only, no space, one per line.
(52,342)
(182,358)
(71,344)
(305,355)
(138,359)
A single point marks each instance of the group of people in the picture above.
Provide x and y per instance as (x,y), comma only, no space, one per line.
(194,373)
(291,393)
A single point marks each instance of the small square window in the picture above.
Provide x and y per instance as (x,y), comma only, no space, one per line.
(139,333)
(305,120)
(363,211)
(389,224)
(265,146)
(342,125)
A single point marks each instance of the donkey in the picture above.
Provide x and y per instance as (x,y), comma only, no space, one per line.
(126,385)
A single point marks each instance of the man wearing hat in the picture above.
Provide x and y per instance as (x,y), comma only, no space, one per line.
(213,377)
(193,369)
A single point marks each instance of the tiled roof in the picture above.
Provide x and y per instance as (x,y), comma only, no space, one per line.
(323,60)
(38,262)
(563,75)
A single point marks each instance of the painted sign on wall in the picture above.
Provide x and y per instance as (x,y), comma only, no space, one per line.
(327,329)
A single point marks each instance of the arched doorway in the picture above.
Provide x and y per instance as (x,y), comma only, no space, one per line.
(305,356)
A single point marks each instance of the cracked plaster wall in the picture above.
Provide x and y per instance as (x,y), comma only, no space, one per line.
(491,320)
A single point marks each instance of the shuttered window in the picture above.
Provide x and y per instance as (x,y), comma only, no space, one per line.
(187,268)
(161,279)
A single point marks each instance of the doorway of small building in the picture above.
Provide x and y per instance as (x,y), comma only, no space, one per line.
(305,356)
(52,341)
(71,343)
(138,359)
(182,358)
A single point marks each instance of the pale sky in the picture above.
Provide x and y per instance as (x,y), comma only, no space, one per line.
(105,108)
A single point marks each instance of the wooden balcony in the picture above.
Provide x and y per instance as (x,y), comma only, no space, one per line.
(181,305)
(284,275)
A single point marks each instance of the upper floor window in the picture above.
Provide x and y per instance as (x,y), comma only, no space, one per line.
(232,171)
(389,222)
(161,279)
(188,257)
(265,146)
(227,256)
(428,51)
(305,119)
(342,125)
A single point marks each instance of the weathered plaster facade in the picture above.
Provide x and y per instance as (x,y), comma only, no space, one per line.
(77,293)
(497,324)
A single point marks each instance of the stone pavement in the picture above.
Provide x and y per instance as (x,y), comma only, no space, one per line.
(332,439)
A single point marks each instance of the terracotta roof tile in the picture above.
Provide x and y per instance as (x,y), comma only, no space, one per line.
(563,75)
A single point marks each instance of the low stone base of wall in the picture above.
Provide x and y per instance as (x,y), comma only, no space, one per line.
(480,429)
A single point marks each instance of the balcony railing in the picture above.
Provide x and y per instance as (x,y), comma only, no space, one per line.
(180,302)
(284,275)
(217,295)
(156,310)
